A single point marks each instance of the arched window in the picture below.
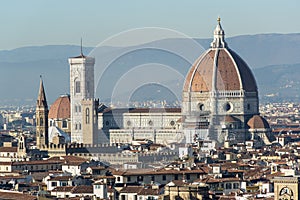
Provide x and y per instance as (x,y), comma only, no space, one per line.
(79,126)
(41,121)
(77,87)
(87,115)
(65,124)
(75,126)
(79,108)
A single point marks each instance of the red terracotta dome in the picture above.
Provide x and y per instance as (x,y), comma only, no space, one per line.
(219,69)
(230,119)
(258,122)
(60,109)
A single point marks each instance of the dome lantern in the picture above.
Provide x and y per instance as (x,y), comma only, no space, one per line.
(219,36)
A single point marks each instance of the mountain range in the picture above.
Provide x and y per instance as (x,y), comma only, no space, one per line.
(273,58)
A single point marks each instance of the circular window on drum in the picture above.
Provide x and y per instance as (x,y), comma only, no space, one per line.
(228,107)
(201,106)
(172,123)
(128,123)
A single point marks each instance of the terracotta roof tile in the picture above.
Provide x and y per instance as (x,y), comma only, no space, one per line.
(8,149)
(60,109)
(61,178)
(14,195)
(233,73)
(63,189)
(131,189)
(257,122)
(149,191)
(81,189)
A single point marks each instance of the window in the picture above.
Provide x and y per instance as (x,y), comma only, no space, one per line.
(76,126)
(172,123)
(228,186)
(41,121)
(140,178)
(79,108)
(152,178)
(77,86)
(79,126)
(236,185)
(176,176)
(87,115)
(188,177)
(53,184)
(227,107)
(164,177)
(248,106)
(76,110)
(201,106)
(128,178)
(65,124)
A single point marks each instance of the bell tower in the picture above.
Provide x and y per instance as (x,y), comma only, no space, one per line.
(41,117)
(21,146)
(81,89)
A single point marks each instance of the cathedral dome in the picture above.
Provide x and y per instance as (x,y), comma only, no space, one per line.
(258,122)
(219,69)
(60,109)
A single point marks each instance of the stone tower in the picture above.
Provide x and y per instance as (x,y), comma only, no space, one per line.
(41,118)
(21,146)
(90,121)
(83,104)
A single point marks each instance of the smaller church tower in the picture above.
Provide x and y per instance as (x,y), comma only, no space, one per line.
(41,117)
(22,146)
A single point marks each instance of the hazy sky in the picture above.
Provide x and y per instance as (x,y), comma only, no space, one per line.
(36,22)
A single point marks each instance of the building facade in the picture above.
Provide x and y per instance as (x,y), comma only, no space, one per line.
(160,125)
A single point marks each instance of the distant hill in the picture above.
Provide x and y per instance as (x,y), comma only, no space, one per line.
(279,82)
(20,68)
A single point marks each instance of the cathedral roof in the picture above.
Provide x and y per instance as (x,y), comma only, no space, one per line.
(219,69)
(258,122)
(60,109)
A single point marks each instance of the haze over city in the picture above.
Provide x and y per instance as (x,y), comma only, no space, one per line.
(34,23)
(31,23)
